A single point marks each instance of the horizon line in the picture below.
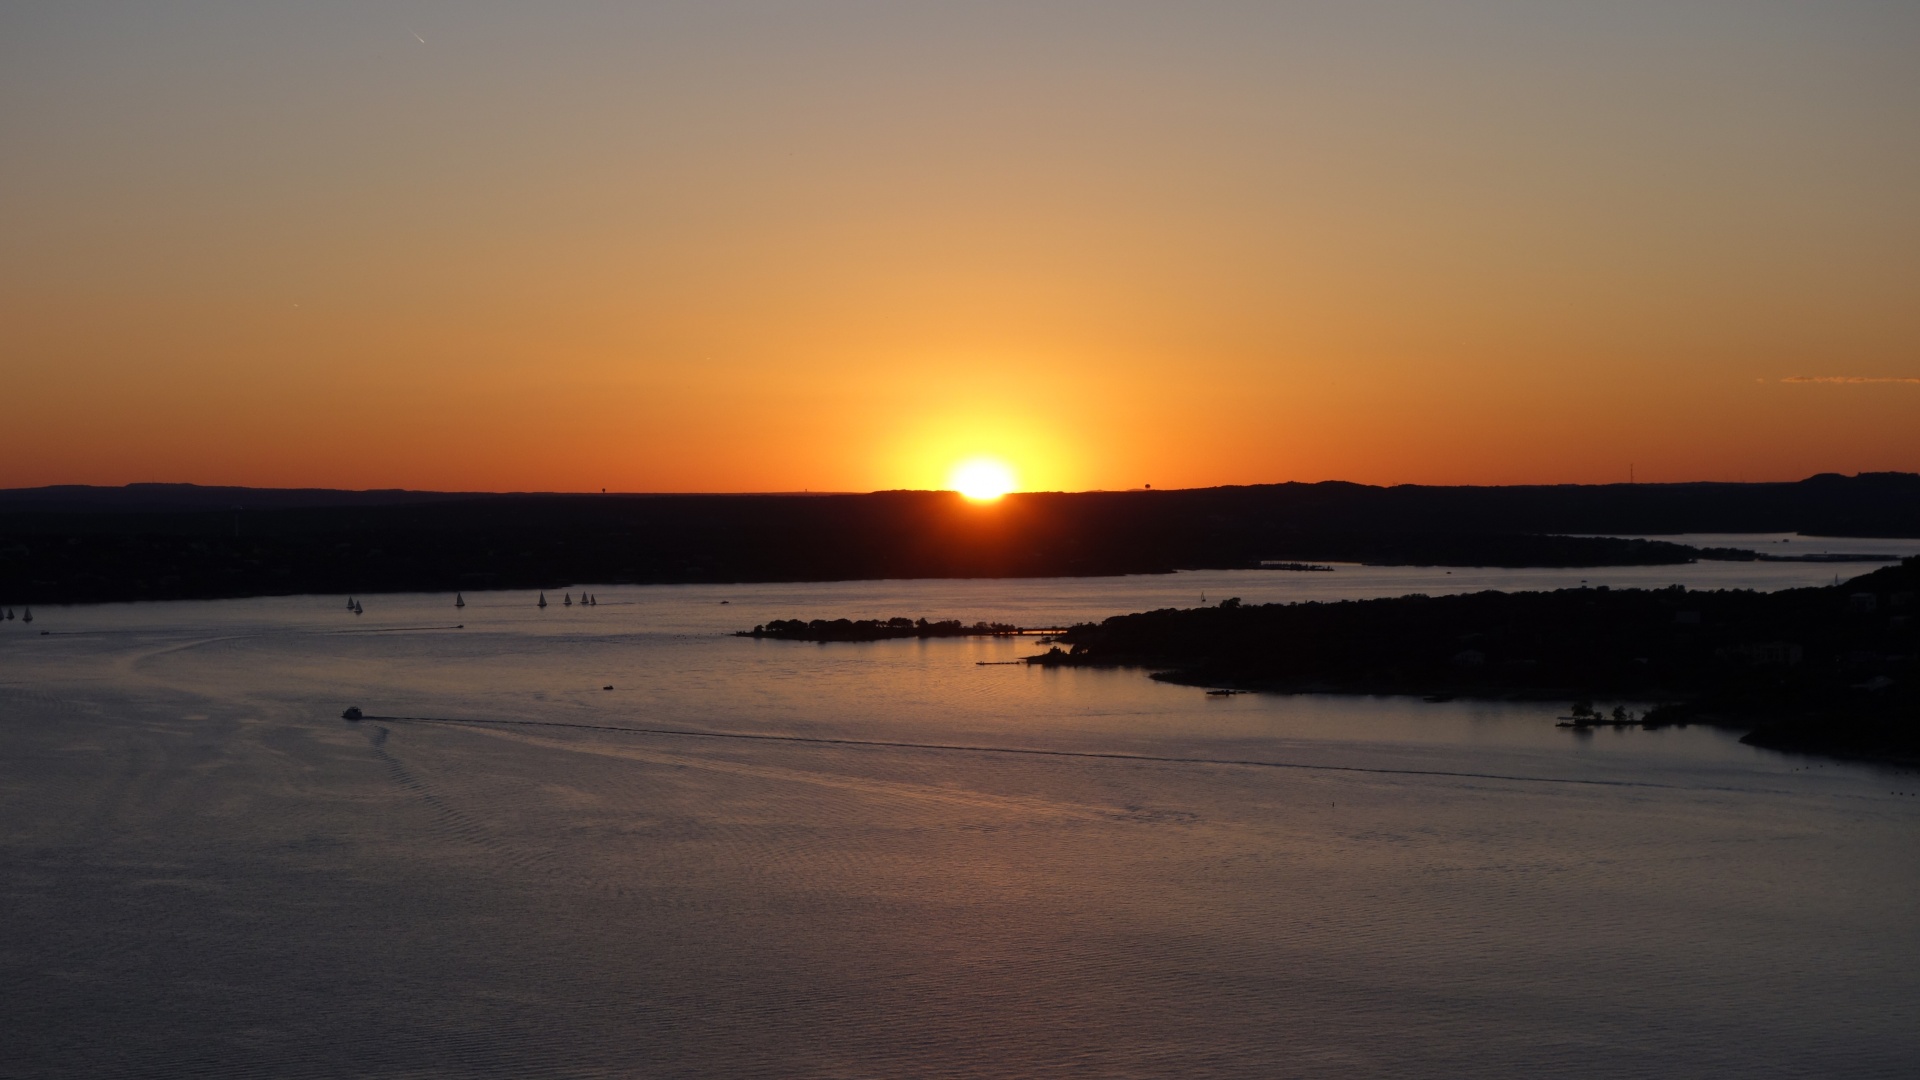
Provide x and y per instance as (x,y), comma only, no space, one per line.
(809,492)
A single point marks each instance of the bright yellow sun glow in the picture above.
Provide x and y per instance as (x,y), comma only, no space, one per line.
(982,479)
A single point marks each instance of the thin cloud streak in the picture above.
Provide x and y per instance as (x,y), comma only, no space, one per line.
(1850,379)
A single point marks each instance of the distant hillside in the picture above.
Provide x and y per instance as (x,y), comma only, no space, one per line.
(171,541)
(1870,504)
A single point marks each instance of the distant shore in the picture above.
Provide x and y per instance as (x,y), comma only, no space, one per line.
(178,542)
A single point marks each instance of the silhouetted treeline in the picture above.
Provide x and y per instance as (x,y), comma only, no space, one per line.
(169,541)
(1831,669)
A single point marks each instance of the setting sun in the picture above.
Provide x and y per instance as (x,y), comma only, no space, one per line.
(982,479)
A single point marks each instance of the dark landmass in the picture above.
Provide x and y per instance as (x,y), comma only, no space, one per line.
(1830,670)
(1725,554)
(874,629)
(196,498)
(152,542)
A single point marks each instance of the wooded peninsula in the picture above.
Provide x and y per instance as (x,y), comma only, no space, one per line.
(1830,670)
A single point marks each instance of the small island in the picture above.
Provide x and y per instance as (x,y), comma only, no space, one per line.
(876,629)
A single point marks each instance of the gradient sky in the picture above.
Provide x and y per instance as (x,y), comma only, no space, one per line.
(772,246)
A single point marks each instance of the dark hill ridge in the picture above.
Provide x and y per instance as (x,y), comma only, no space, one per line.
(1830,669)
(198,498)
(1868,504)
(177,541)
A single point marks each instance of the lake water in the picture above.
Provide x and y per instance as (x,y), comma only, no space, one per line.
(759,858)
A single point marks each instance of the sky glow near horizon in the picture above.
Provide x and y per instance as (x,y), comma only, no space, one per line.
(758,246)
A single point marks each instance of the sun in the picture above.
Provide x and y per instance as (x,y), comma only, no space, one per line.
(981,479)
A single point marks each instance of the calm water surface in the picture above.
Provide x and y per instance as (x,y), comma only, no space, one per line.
(937,868)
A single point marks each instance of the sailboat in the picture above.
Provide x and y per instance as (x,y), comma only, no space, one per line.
(357,609)
(543,600)
(569,600)
(459,601)
(27,615)
(594,600)
(349,603)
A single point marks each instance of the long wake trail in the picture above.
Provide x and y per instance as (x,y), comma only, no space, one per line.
(1027,751)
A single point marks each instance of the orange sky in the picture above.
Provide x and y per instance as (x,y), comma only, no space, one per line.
(756,246)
